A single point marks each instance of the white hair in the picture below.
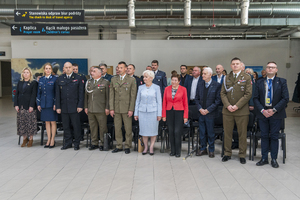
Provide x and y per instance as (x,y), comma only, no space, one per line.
(149,73)
(249,69)
(209,70)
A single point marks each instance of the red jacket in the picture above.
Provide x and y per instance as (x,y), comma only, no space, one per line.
(178,103)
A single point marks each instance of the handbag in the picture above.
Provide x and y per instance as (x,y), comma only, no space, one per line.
(140,145)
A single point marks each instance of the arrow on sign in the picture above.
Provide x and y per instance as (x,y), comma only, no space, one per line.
(17,13)
(14,27)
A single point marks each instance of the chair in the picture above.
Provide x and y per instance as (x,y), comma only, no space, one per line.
(164,136)
(84,121)
(282,136)
(135,130)
(110,130)
(194,115)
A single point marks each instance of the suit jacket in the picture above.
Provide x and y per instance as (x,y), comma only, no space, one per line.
(213,99)
(69,93)
(26,97)
(186,77)
(108,77)
(148,100)
(239,96)
(160,79)
(97,95)
(122,94)
(215,78)
(188,85)
(279,101)
(178,103)
(46,92)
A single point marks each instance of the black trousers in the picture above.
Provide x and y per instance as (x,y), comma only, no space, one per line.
(175,126)
(74,120)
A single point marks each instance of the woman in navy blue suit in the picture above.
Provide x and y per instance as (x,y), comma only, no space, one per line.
(46,103)
(24,103)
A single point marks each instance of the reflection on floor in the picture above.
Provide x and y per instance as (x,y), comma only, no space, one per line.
(38,173)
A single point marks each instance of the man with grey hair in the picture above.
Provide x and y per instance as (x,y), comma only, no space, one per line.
(207,100)
(191,83)
(96,104)
(90,71)
(219,77)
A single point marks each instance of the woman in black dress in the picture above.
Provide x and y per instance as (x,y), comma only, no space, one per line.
(25,105)
(46,103)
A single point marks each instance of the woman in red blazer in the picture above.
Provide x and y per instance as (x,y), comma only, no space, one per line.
(175,109)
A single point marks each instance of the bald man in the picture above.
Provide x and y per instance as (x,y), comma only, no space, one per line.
(69,103)
(219,77)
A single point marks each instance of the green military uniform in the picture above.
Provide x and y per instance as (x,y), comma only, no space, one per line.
(122,100)
(96,101)
(237,92)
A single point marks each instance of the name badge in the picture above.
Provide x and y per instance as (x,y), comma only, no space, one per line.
(268,101)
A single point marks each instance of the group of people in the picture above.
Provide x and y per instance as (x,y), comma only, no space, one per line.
(149,100)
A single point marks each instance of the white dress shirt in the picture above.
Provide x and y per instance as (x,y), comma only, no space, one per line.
(193,88)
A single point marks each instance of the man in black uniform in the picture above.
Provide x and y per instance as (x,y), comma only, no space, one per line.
(69,103)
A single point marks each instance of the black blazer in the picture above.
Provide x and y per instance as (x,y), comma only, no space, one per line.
(188,85)
(213,99)
(26,97)
(279,101)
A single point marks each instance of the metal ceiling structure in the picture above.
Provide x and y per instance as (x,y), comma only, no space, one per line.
(268,19)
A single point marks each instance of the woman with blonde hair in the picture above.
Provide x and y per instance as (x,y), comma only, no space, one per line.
(46,103)
(25,105)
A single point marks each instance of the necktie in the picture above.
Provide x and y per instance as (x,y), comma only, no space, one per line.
(206,85)
(234,77)
(68,77)
(270,90)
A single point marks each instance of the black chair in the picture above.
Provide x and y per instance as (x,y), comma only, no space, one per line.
(194,115)
(218,127)
(163,130)
(84,121)
(135,130)
(110,131)
(282,136)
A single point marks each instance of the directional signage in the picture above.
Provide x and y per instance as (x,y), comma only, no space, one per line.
(49,29)
(49,15)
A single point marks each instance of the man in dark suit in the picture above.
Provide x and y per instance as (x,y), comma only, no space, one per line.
(160,78)
(219,77)
(130,72)
(183,75)
(270,99)
(207,100)
(191,84)
(69,103)
(75,70)
(105,75)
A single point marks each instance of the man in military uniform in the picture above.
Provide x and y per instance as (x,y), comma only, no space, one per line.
(105,75)
(96,106)
(121,103)
(90,75)
(69,103)
(75,70)
(160,78)
(235,94)
(130,72)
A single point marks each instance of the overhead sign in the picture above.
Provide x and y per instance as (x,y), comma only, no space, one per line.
(2,53)
(49,29)
(49,15)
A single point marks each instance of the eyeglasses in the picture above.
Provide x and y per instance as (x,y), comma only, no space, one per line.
(271,67)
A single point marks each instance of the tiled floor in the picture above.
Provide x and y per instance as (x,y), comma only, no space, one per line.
(38,173)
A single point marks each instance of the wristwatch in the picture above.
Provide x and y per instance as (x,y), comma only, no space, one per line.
(274,110)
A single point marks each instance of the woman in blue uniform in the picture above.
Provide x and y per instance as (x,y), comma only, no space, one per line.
(46,103)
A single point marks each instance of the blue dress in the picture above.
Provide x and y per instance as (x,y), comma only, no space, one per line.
(46,98)
(148,107)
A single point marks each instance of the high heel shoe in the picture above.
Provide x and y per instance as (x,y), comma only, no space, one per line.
(50,147)
(47,146)
(151,154)
(144,153)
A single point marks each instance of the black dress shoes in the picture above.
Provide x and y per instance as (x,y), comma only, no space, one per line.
(116,150)
(50,147)
(242,160)
(127,151)
(66,147)
(93,147)
(226,158)
(76,147)
(202,152)
(172,154)
(177,155)
(101,148)
(262,162)
(274,163)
